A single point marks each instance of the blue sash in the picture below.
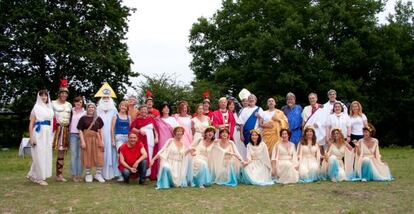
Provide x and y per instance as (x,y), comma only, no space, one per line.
(295,124)
(249,125)
(38,124)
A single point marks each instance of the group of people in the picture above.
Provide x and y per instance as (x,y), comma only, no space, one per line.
(225,146)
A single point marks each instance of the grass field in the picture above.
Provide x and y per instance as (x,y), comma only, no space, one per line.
(20,196)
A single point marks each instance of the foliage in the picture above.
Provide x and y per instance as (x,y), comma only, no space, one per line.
(272,47)
(43,41)
(165,89)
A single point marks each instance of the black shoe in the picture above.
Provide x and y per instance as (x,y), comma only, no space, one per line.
(142,183)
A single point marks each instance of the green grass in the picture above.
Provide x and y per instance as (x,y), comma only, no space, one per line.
(20,196)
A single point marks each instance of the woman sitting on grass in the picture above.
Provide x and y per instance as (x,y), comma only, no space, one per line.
(309,156)
(340,158)
(284,160)
(201,152)
(257,170)
(226,160)
(369,166)
(174,164)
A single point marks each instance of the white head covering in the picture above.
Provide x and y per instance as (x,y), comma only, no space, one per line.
(244,94)
(95,113)
(41,110)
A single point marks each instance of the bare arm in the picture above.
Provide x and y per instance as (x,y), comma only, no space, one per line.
(241,132)
(31,126)
(192,127)
(143,157)
(82,140)
(122,160)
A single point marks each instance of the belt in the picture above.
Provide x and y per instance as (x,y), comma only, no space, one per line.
(38,124)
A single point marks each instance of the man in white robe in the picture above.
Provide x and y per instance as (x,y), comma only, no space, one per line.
(106,110)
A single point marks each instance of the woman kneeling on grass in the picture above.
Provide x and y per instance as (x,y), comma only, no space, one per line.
(91,136)
(369,166)
(174,164)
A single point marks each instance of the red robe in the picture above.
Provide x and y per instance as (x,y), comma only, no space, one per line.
(138,123)
(218,120)
(154,113)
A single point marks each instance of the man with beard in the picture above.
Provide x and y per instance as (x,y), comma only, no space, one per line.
(106,111)
(62,110)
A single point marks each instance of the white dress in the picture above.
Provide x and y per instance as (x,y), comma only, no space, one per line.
(199,127)
(369,165)
(201,168)
(286,161)
(259,169)
(236,137)
(340,163)
(225,167)
(309,159)
(173,166)
(41,167)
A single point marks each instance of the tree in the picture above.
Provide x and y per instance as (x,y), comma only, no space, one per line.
(44,41)
(272,47)
(165,89)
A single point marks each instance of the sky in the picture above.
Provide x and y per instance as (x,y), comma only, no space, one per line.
(158,35)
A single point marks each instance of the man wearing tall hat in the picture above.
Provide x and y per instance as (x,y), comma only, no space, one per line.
(62,110)
(149,102)
(106,110)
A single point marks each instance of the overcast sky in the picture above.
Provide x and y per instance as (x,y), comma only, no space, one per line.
(158,34)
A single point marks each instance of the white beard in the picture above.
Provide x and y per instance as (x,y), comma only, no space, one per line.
(106,105)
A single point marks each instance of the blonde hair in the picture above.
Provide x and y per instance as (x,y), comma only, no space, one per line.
(125,103)
(351,112)
(341,137)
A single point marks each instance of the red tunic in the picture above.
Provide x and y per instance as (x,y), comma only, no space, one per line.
(218,120)
(154,113)
(130,154)
(139,123)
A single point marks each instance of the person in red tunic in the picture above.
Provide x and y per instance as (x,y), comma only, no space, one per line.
(223,118)
(145,127)
(153,112)
(133,159)
(206,107)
